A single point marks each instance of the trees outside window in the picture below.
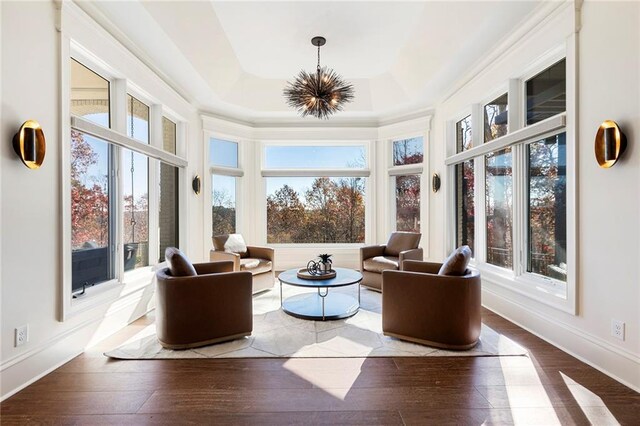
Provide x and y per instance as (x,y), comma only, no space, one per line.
(223,205)
(515,176)
(405,174)
(224,167)
(321,210)
(315,194)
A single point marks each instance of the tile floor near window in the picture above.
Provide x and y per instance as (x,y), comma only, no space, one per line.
(548,387)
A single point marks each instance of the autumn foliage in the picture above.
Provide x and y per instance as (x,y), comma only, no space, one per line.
(89,197)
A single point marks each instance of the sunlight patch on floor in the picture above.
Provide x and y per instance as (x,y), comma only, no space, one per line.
(591,404)
(332,379)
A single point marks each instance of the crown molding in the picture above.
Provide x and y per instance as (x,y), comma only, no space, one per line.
(542,14)
(90,11)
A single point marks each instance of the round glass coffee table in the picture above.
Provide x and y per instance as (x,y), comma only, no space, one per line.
(321,305)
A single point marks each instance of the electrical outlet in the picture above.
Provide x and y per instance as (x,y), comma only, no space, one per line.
(617,329)
(22,335)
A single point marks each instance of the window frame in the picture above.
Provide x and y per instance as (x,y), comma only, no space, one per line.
(519,280)
(331,173)
(236,172)
(115,135)
(416,169)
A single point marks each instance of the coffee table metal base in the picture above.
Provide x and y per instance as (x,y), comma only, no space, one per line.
(321,307)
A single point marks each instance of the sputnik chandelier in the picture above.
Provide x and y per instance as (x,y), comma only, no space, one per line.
(318,94)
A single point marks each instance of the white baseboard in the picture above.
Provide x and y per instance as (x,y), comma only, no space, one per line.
(616,363)
(22,370)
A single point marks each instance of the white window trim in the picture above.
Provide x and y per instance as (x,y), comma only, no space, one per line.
(331,173)
(111,290)
(520,281)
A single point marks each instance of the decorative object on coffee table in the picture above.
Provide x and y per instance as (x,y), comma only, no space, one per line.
(305,273)
(318,269)
(325,260)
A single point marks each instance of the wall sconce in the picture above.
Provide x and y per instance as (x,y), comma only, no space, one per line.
(610,144)
(435,182)
(196,184)
(29,144)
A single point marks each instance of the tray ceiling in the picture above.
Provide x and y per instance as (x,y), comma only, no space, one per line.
(234,57)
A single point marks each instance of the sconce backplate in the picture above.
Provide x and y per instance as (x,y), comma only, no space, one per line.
(22,139)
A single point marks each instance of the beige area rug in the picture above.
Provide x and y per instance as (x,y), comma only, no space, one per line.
(276,334)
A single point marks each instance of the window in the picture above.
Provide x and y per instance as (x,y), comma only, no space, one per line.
(135,175)
(315,210)
(499,208)
(137,119)
(223,204)
(225,173)
(168,193)
(496,118)
(547,93)
(547,207)
(465,205)
(408,203)
(104,247)
(168,135)
(92,211)
(314,157)
(135,188)
(89,95)
(464,140)
(405,174)
(407,151)
(92,184)
(223,153)
(518,181)
(315,202)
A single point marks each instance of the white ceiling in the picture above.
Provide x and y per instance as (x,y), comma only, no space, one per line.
(273,40)
(233,58)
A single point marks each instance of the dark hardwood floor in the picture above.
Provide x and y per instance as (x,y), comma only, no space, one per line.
(547,387)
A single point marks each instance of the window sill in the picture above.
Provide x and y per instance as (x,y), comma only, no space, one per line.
(547,291)
(108,292)
(315,245)
(93,297)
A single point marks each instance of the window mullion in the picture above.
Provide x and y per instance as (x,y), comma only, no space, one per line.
(153,201)
(519,208)
(515,109)
(480,210)
(119,124)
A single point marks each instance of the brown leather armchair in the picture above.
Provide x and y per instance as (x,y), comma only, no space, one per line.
(257,260)
(214,306)
(421,306)
(375,259)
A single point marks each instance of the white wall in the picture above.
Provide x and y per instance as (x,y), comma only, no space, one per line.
(608,218)
(30,201)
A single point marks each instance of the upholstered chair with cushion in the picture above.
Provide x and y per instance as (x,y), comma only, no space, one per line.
(435,304)
(375,259)
(257,260)
(200,304)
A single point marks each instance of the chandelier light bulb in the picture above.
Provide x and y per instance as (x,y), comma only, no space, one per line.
(319,94)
